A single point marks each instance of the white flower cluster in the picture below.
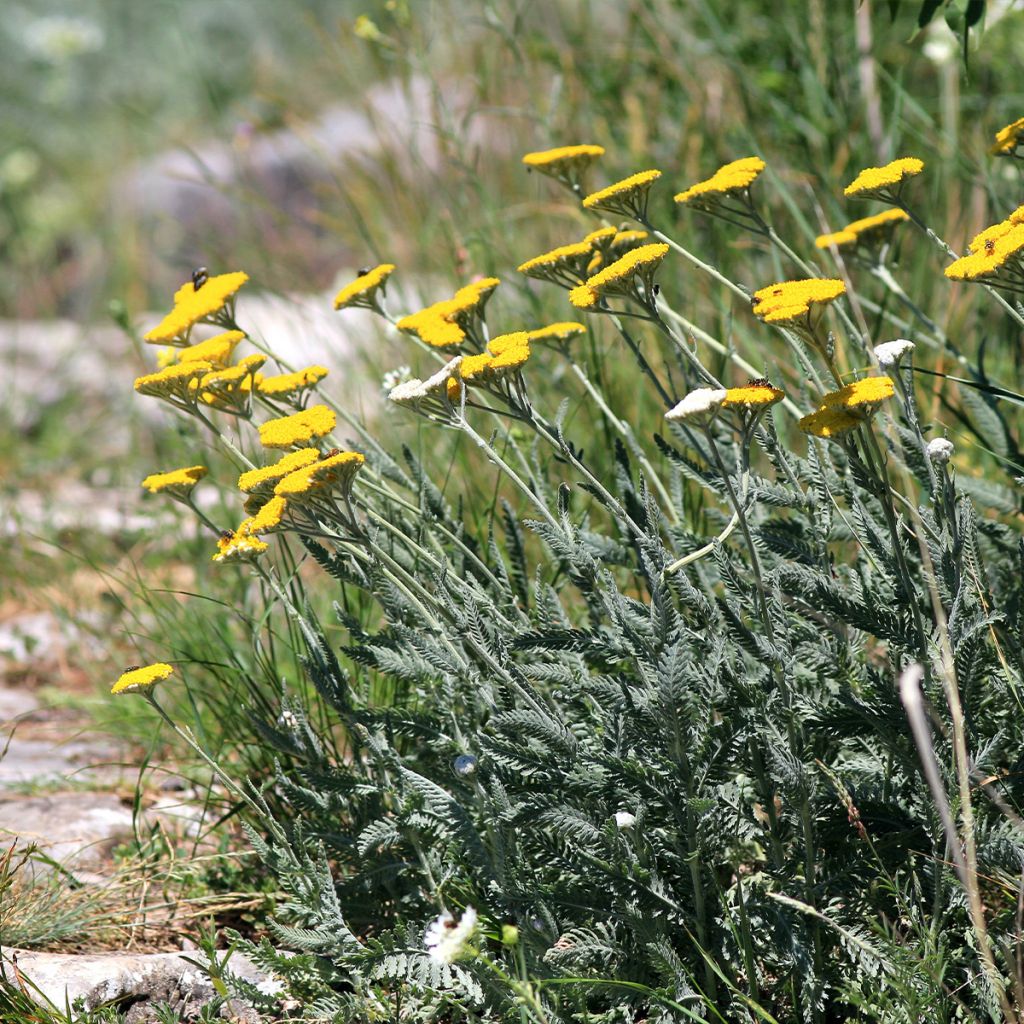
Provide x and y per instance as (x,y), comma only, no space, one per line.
(697,404)
(889,353)
(448,940)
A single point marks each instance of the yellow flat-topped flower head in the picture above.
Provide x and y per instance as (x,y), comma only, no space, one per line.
(797,305)
(730,181)
(755,394)
(256,479)
(173,383)
(829,423)
(365,291)
(560,332)
(204,299)
(627,197)
(178,483)
(141,678)
(565,265)
(268,518)
(840,239)
(284,384)
(844,410)
(884,182)
(621,277)
(229,389)
(449,322)
(866,232)
(335,471)
(298,429)
(1008,139)
(567,164)
(216,350)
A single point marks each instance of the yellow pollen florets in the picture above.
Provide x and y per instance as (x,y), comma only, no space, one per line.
(884,182)
(846,409)
(565,163)
(333,471)
(557,332)
(298,429)
(135,680)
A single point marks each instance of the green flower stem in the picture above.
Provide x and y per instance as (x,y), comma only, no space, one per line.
(645,366)
(713,343)
(694,556)
(494,457)
(623,428)
(697,262)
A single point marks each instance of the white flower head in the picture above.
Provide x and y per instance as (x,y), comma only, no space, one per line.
(697,404)
(439,382)
(288,720)
(407,391)
(623,819)
(889,353)
(939,450)
(448,940)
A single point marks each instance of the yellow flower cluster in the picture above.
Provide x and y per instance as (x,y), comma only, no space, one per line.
(298,429)
(1008,139)
(217,350)
(627,197)
(560,332)
(618,277)
(136,680)
(174,382)
(363,291)
(867,230)
(336,470)
(505,354)
(729,180)
(796,303)
(229,389)
(284,384)
(448,322)
(194,305)
(846,409)
(257,479)
(566,264)
(884,182)
(995,253)
(566,163)
(178,482)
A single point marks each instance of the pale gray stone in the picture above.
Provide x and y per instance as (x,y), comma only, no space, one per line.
(133,981)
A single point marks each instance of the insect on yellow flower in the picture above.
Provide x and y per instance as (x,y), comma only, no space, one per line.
(757,393)
(364,292)
(139,678)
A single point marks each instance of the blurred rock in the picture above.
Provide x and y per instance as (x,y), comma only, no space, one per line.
(185,197)
(132,981)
